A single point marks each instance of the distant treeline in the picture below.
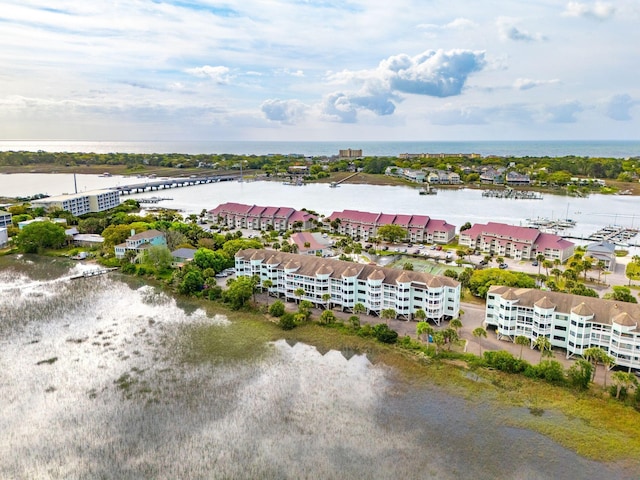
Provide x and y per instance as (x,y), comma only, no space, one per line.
(612,168)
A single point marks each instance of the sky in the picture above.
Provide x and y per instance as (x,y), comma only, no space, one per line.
(306,70)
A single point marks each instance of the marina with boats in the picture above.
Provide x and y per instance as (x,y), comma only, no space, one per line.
(513,194)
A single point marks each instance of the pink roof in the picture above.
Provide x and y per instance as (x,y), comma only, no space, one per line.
(300,216)
(301,238)
(256,211)
(231,207)
(269,211)
(402,220)
(284,212)
(554,242)
(439,226)
(386,219)
(419,221)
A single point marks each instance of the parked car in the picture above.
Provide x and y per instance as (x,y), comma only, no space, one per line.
(503,266)
(483,262)
(534,263)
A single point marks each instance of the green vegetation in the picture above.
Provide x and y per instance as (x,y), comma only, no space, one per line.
(36,237)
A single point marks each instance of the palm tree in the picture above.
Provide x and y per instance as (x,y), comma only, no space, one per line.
(424,328)
(325,298)
(456,324)
(438,339)
(547,264)
(595,355)
(607,362)
(544,345)
(599,267)
(587,264)
(420,315)
(522,341)
(479,333)
(623,379)
(299,292)
(451,336)
(359,308)
(388,314)
(267,284)
(539,259)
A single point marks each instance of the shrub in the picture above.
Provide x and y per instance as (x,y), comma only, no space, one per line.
(505,362)
(276,309)
(384,334)
(287,321)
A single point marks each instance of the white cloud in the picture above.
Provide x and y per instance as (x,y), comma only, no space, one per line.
(509,31)
(459,23)
(434,73)
(563,113)
(618,107)
(597,10)
(527,83)
(288,112)
(218,74)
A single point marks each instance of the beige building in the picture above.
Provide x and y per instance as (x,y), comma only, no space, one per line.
(81,203)
(571,322)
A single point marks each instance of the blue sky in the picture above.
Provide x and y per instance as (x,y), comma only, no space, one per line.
(319,70)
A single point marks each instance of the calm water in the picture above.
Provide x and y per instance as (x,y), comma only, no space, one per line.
(92,387)
(454,206)
(615,149)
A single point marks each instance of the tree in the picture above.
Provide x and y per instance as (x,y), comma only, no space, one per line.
(384,334)
(287,321)
(268,284)
(392,233)
(456,324)
(388,314)
(479,333)
(420,315)
(626,380)
(158,256)
(522,341)
(239,292)
(37,236)
(218,260)
(359,308)
(450,336)
(277,309)
(579,374)
(423,328)
(544,345)
(327,317)
(621,294)
(540,258)
(325,298)
(354,321)
(299,292)
(438,340)
(304,308)
(632,270)
(192,282)
(407,266)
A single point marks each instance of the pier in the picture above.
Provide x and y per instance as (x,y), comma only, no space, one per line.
(511,193)
(93,273)
(614,234)
(153,199)
(335,184)
(172,183)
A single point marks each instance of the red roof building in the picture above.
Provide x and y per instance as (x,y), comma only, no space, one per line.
(515,242)
(420,228)
(254,217)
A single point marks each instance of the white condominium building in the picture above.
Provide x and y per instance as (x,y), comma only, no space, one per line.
(571,322)
(81,203)
(349,283)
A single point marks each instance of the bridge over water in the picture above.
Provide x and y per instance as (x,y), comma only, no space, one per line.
(152,185)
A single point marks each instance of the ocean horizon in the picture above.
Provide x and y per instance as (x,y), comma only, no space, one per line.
(550,148)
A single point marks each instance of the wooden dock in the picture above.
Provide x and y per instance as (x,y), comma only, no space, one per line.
(93,273)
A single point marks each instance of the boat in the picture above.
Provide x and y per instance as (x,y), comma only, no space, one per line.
(427,191)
